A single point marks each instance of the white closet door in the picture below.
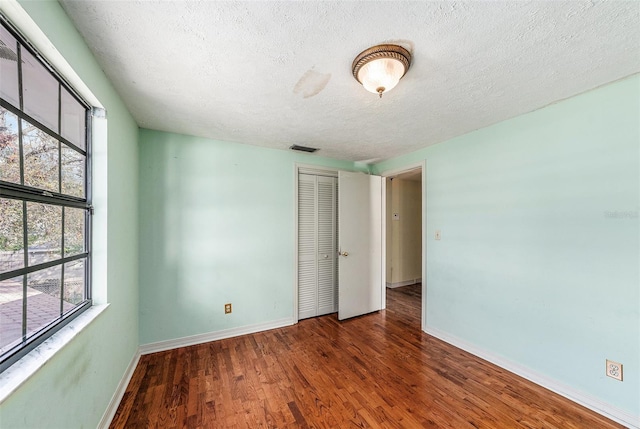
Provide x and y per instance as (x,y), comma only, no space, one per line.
(307,239)
(317,245)
(327,248)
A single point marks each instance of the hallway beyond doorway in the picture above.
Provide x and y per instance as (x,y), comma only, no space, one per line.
(406,303)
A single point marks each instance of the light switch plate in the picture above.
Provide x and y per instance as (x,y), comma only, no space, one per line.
(396,216)
(438,234)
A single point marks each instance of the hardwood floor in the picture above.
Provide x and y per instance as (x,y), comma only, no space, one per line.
(374,371)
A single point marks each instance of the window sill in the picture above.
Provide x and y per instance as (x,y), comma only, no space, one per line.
(14,376)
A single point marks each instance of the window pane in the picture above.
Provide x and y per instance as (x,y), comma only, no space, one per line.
(40,91)
(44,230)
(43,167)
(73,231)
(40,158)
(11,235)
(73,119)
(73,284)
(72,172)
(10,313)
(9,147)
(43,298)
(9,68)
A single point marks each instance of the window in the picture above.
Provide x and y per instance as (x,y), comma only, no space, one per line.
(44,200)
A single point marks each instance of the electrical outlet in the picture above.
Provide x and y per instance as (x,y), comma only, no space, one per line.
(614,370)
(227,308)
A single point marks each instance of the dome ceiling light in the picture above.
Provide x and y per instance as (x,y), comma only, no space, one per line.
(380,68)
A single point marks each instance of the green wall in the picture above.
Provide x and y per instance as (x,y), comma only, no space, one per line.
(539,257)
(216,226)
(538,262)
(74,388)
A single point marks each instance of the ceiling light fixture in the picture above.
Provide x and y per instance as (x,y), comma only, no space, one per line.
(380,68)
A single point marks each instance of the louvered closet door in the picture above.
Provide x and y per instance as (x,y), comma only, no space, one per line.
(327,249)
(307,239)
(317,245)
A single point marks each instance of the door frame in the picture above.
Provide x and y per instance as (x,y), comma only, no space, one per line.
(305,169)
(394,172)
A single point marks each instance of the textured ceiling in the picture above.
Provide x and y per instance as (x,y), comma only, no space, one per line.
(278,73)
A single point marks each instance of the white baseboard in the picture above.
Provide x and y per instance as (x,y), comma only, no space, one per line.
(404,283)
(110,412)
(213,336)
(588,401)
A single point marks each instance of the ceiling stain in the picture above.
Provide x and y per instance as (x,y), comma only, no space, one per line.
(311,83)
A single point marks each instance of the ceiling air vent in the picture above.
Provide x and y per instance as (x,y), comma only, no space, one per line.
(303,148)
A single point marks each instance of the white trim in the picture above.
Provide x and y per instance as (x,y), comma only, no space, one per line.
(191,340)
(110,412)
(383,229)
(407,168)
(316,170)
(383,243)
(568,392)
(423,190)
(403,283)
(296,172)
(21,371)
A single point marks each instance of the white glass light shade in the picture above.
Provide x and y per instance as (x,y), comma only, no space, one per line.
(381,67)
(381,75)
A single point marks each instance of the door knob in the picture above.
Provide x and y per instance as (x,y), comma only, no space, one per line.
(344,253)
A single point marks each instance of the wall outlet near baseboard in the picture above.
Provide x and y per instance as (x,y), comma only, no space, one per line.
(614,370)
(227,308)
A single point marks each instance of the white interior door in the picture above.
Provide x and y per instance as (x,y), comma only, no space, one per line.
(360,244)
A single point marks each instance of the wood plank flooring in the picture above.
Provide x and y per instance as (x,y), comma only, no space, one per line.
(374,371)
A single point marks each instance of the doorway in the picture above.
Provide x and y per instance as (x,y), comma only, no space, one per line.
(404,255)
